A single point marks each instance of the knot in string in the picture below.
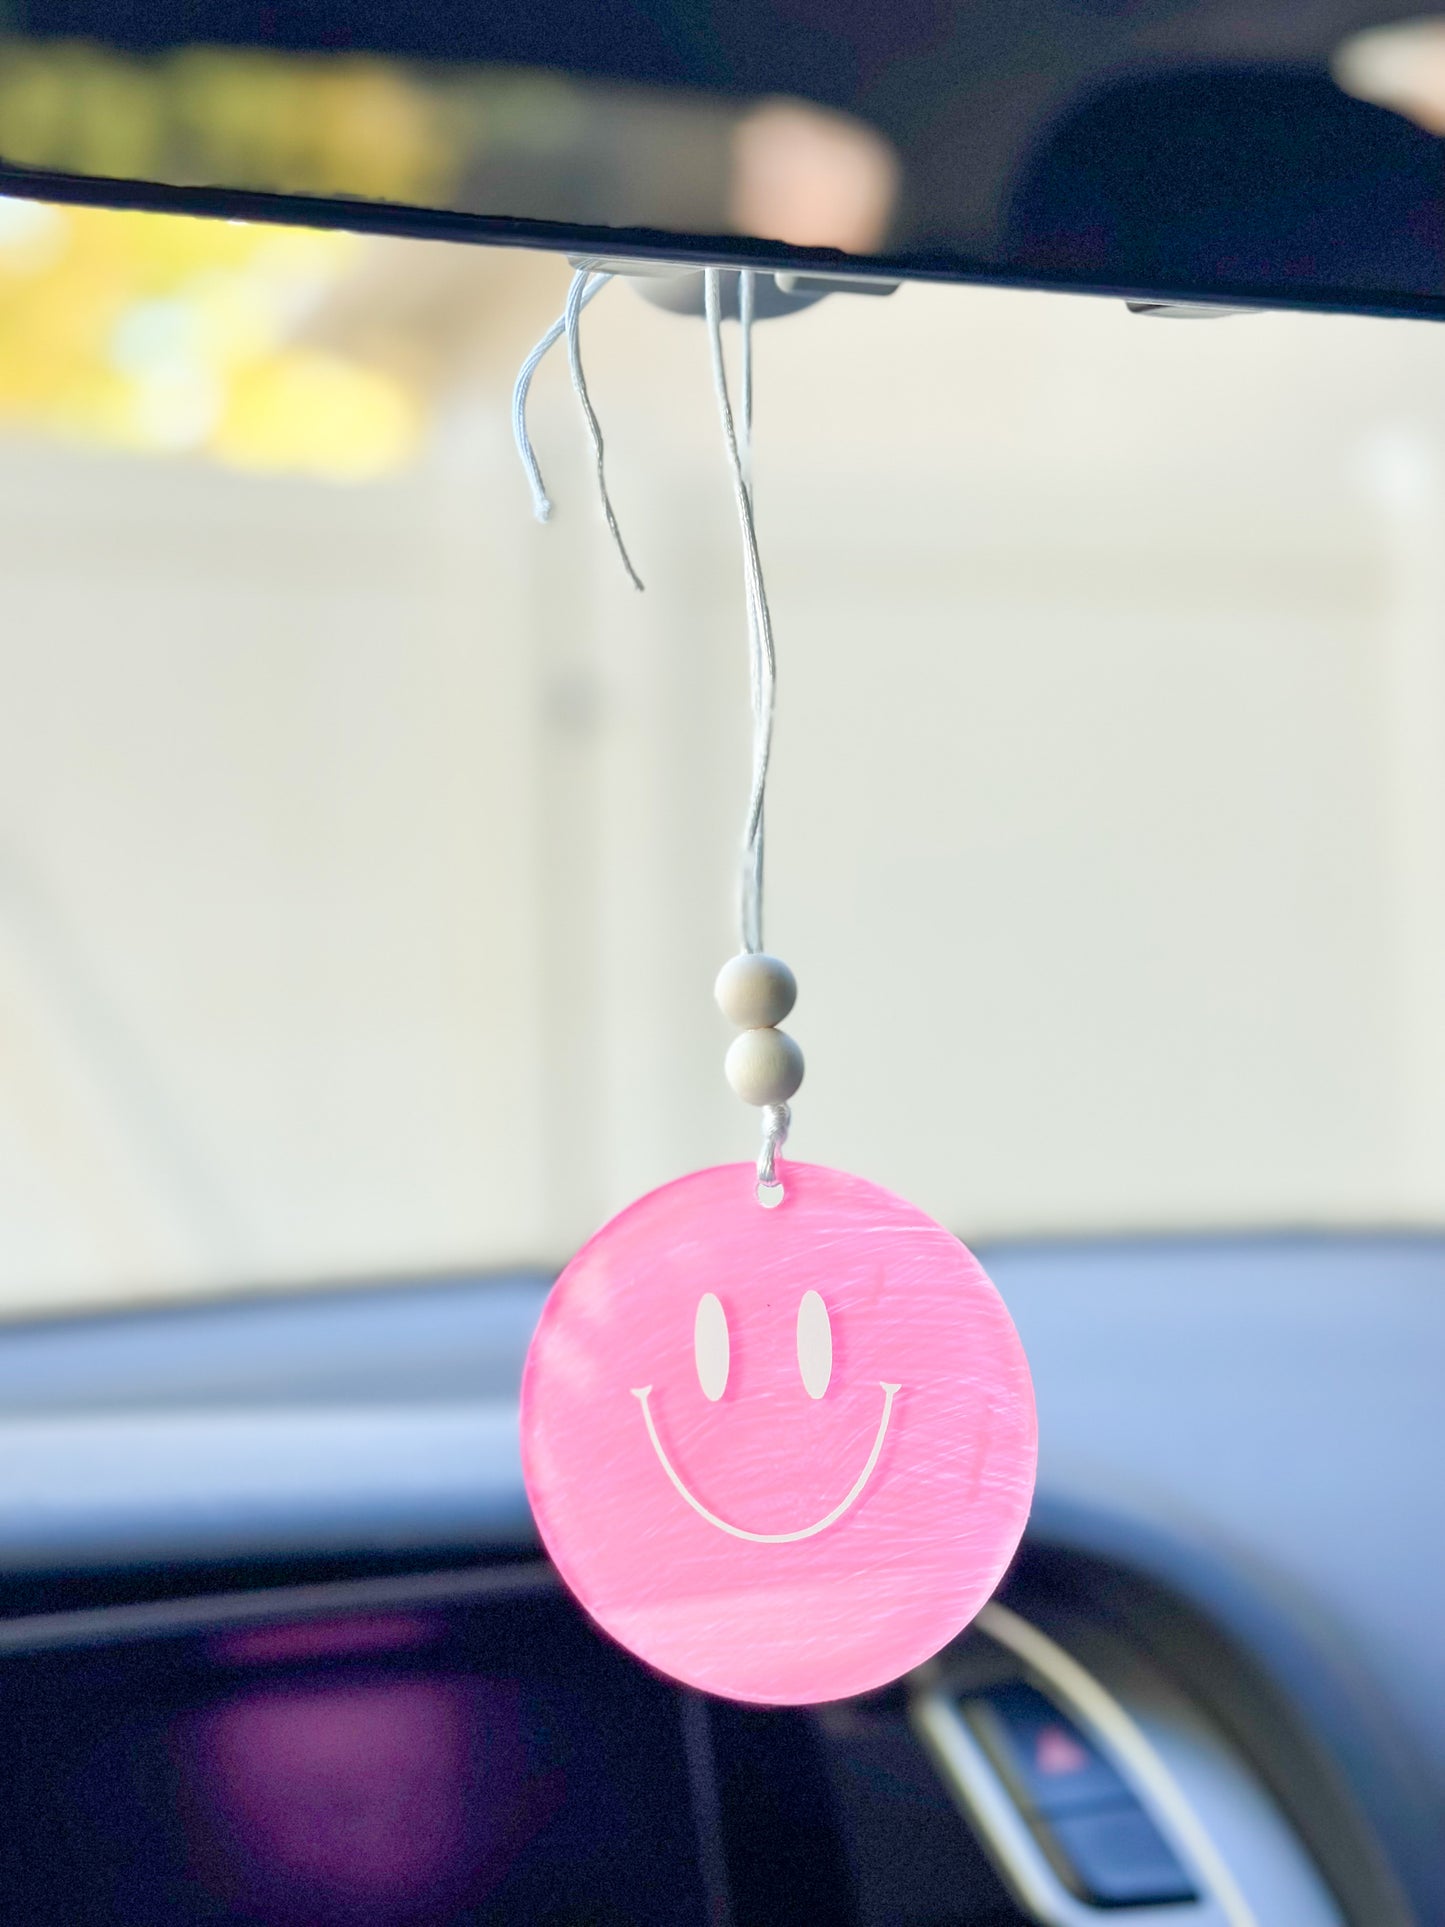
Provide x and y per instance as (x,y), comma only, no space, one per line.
(776,1121)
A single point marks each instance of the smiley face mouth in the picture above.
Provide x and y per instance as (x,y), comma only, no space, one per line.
(643,1392)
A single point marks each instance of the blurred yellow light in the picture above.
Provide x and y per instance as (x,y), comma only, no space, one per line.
(309,411)
(157,332)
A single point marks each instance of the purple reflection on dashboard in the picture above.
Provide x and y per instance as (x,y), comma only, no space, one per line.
(369,1801)
(325,1638)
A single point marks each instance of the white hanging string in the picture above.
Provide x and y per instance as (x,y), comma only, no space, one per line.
(571,317)
(751,883)
(587,283)
(762,659)
(541,501)
(747,302)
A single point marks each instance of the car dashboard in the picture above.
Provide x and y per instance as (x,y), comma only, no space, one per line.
(279,1645)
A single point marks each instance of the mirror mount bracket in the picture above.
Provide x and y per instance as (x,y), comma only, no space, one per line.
(678,287)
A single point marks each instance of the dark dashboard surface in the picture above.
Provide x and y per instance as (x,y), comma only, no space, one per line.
(378,1770)
(1254,1424)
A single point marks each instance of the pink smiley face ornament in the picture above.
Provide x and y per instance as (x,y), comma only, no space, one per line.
(781,1455)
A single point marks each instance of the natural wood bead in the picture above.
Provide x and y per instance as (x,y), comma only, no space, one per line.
(755,991)
(764,1066)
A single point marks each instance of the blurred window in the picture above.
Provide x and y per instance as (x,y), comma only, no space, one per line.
(367,852)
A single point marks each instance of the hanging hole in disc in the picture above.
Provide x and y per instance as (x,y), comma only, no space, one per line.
(770,1196)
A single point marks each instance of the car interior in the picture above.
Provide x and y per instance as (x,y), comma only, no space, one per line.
(368,852)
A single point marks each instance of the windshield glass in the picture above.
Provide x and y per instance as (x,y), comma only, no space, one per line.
(367,852)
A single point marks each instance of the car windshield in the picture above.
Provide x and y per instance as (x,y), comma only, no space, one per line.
(367,852)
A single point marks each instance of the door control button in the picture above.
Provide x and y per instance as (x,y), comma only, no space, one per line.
(1050,1765)
(1116,1857)
(1083,1813)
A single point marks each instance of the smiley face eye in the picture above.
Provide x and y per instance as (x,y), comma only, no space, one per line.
(815,1344)
(711,1347)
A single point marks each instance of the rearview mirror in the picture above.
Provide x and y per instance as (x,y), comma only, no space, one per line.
(1143,151)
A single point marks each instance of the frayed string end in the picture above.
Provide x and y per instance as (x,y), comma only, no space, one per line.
(587,282)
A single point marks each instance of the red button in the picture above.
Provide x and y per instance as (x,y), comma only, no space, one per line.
(1057,1752)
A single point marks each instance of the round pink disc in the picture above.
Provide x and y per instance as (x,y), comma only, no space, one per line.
(782,1455)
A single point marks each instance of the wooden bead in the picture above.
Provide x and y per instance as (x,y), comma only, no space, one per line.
(755,991)
(764,1066)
